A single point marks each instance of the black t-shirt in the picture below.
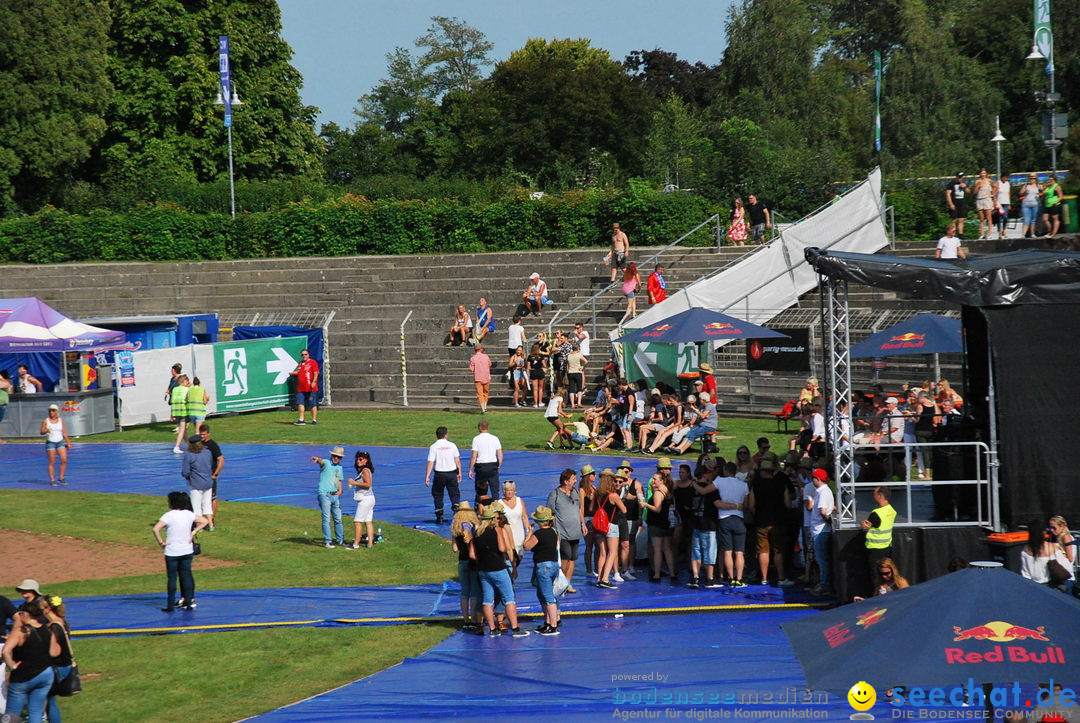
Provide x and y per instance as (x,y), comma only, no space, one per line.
(756,212)
(955,191)
(488,557)
(462,547)
(683,500)
(32,655)
(65,648)
(547,543)
(703,511)
(769,508)
(215,453)
(633,509)
(661,520)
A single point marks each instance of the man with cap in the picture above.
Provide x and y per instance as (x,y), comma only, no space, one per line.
(631,492)
(821,506)
(535,294)
(704,425)
(329,494)
(565,503)
(445,460)
(956,200)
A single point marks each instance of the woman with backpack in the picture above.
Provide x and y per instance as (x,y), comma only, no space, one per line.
(606,527)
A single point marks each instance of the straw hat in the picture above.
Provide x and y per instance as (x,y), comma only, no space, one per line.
(543,514)
(622,473)
(663,463)
(608,471)
(464,505)
(338,451)
(705,368)
(626,465)
(587,470)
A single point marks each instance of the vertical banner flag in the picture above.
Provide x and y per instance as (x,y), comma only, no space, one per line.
(226,81)
(1044,39)
(255,374)
(877,99)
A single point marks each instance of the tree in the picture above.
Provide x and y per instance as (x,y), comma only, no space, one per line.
(677,151)
(550,105)
(399,98)
(662,73)
(163,64)
(53,91)
(455,56)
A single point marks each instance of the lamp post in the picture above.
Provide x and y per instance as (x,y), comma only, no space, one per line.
(227,97)
(997,140)
(1043,49)
(233,100)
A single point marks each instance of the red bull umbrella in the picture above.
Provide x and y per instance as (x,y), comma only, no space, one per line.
(992,626)
(921,334)
(697,325)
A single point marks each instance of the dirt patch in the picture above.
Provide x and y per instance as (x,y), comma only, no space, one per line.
(50,559)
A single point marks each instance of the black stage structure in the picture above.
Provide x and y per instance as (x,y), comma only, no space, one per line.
(1021,316)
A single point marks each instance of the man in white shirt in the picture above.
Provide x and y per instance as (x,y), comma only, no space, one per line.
(731,528)
(445,460)
(535,295)
(950,247)
(821,506)
(583,339)
(515,336)
(487,458)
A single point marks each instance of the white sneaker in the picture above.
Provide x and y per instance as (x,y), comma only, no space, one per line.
(177,450)
(629,575)
(595,574)
(616,577)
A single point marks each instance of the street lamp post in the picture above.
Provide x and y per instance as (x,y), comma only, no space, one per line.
(997,140)
(1043,49)
(234,100)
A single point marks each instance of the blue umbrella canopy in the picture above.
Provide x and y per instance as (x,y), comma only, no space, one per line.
(696,325)
(992,626)
(921,334)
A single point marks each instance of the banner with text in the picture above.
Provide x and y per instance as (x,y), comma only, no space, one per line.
(255,374)
(780,355)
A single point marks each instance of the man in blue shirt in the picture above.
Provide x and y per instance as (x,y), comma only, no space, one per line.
(330,476)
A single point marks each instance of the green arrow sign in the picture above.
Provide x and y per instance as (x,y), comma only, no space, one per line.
(255,374)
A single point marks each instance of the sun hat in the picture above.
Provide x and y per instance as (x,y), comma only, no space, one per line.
(587,470)
(543,514)
(489,514)
(338,452)
(464,505)
(496,507)
(626,465)
(704,367)
(621,473)
(608,471)
(663,463)
(53,406)
(28,585)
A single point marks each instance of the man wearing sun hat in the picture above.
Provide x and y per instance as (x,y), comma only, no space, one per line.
(708,379)
(330,476)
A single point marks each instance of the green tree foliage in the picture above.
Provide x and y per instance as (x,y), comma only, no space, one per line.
(677,150)
(662,73)
(455,54)
(163,64)
(53,94)
(551,105)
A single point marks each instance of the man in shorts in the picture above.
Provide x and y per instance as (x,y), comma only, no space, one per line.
(731,527)
(703,524)
(620,250)
(217,464)
(956,199)
(565,502)
(760,218)
(772,500)
(307,387)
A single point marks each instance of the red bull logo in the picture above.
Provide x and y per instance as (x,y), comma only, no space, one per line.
(871,618)
(998,631)
(657,330)
(907,340)
(662,327)
(719,328)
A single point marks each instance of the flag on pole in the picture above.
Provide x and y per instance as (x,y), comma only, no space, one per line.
(1044,39)
(226,80)
(877,99)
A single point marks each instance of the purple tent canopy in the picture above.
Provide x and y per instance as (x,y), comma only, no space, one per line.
(31,325)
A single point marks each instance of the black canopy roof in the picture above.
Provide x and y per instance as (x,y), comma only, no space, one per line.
(1030,276)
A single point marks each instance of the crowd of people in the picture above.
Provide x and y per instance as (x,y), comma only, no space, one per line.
(38,663)
(993,201)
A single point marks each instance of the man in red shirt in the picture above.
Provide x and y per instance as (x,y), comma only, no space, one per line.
(708,379)
(307,387)
(656,285)
(480,366)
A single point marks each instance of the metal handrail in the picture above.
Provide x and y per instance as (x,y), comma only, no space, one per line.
(591,301)
(404,374)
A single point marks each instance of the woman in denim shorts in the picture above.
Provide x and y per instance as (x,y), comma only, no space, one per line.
(462,531)
(544,543)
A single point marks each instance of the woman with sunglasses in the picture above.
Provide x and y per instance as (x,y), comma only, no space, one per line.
(365,500)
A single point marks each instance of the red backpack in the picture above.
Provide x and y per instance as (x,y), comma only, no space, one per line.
(600,520)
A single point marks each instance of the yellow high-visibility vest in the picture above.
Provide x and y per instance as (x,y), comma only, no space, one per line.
(880,537)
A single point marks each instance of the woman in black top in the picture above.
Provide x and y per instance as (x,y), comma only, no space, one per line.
(29,653)
(682,493)
(660,517)
(544,543)
(57,617)
(488,548)
(536,364)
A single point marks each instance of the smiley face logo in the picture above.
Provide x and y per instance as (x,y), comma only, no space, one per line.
(862,696)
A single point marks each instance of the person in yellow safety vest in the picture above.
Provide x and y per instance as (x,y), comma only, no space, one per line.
(178,408)
(879,527)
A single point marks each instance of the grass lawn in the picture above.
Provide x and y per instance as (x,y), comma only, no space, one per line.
(267,539)
(413,428)
(229,675)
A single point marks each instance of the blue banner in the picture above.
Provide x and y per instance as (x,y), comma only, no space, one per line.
(226,80)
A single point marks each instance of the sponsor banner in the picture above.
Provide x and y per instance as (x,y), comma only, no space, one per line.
(780,355)
(659,362)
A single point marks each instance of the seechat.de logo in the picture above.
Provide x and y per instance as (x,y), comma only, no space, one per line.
(998,631)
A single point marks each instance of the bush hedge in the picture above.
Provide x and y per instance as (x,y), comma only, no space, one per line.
(354,225)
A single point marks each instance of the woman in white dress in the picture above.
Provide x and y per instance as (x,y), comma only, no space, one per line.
(365,501)
(517,517)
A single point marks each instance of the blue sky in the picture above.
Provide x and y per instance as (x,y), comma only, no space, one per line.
(340,46)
